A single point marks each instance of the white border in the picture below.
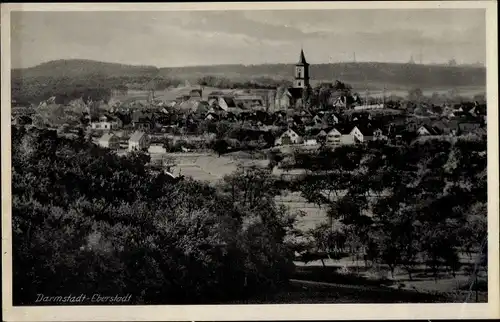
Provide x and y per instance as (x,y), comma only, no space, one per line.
(257,312)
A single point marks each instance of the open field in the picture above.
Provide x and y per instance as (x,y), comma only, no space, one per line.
(212,168)
(348,271)
(309,292)
(467,91)
(312,214)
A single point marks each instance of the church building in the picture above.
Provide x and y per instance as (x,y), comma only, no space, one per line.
(292,97)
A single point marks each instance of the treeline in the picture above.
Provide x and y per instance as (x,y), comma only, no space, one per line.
(401,206)
(85,220)
(252,83)
(96,87)
(360,73)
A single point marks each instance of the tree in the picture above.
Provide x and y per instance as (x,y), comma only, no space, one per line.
(220,146)
(415,95)
(275,158)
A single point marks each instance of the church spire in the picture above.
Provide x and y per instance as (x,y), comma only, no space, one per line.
(302,59)
(301,72)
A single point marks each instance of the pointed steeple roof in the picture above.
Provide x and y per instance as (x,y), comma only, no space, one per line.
(302,59)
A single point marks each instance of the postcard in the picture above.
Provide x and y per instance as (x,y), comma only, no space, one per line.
(250,161)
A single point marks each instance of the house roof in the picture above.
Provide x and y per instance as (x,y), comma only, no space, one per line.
(106,137)
(216,93)
(334,130)
(290,131)
(136,136)
(140,116)
(248,98)
(468,125)
(365,130)
(302,58)
(439,125)
(229,101)
(195,92)
(314,132)
(432,130)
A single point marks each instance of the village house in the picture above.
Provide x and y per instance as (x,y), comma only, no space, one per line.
(156,148)
(468,127)
(314,136)
(334,137)
(110,141)
(138,141)
(143,121)
(196,93)
(289,137)
(362,134)
(226,103)
(333,118)
(288,98)
(249,101)
(378,135)
(310,141)
(425,130)
(106,122)
(215,95)
(211,117)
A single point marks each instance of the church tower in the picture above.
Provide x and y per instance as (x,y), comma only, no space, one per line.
(301,72)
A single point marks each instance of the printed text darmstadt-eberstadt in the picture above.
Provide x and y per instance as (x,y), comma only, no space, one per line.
(95,298)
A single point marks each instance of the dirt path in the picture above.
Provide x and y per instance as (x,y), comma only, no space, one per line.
(354,287)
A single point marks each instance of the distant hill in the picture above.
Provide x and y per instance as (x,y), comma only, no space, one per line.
(373,75)
(63,76)
(77,68)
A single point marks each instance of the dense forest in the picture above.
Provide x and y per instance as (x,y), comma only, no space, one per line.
(88,221)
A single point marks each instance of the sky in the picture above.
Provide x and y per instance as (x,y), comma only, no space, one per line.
(189,38)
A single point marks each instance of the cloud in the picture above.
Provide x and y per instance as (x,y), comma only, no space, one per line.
(218,37)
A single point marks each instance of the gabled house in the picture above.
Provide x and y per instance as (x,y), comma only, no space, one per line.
(110,141)
(195,93)
(106,122)
(378,135)
(423,131)
(441,127)
(226,102)
(334,137)
(289,98)
(138,141)
(426,130)
(340,102)
(143,121)
(362,134)
(211,117)
(249,101)
(289,137)
(317,120)
(310,141)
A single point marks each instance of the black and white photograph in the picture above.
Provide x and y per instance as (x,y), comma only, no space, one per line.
(247,155)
